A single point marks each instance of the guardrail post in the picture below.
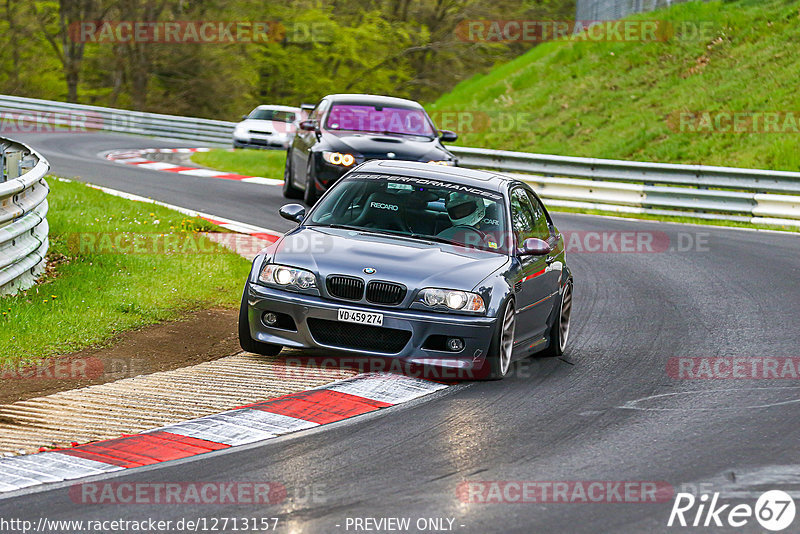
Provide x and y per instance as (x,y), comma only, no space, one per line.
(3,147)
(13,160)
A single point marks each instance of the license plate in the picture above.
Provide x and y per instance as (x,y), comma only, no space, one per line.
(353,316)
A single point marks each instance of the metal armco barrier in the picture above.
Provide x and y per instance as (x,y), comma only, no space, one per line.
(33,115)
(23,212)
(725,193)
(705,192)
(617,9)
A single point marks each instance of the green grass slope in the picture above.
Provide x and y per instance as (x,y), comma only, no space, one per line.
(99,285)
(622,99)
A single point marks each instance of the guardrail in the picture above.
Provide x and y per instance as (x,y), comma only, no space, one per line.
(591,10)
(700,191)
(23,216)
(46,115)
(706,192)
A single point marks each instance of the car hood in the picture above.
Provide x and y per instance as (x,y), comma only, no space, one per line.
(377,146)
(416,264)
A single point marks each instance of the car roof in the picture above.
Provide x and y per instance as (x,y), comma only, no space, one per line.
(430,171)
(354,98)
(278,108)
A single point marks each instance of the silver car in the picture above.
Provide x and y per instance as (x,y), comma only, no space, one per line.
(267,127)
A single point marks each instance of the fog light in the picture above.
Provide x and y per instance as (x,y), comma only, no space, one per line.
(455,344)
(270,318)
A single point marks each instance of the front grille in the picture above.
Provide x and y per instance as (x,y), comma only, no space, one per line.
(385,293)
(358,336)
(345,287)
(260,132)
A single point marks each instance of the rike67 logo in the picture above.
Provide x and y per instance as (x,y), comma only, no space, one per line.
(774,511)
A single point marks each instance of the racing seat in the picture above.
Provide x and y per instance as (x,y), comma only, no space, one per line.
(491,219)
(383,211)
(492,222)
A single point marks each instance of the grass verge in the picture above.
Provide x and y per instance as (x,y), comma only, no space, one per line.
(92,291)
(623,99)
(249,162)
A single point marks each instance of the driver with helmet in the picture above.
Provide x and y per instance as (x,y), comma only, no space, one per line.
(465,212)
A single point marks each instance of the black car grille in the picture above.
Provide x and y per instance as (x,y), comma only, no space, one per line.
(345,287)
(358,336)
(385,293)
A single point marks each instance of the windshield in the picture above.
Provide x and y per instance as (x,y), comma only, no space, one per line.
(380,119)
(418,208)
(273,115)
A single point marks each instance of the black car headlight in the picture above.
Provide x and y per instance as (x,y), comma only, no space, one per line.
(287,277)
(452,299)
(338,158)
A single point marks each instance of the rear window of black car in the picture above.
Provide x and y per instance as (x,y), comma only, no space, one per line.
(420,208)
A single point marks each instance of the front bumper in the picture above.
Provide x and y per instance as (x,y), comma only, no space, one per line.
(262,142)
(476,332)
(328,174)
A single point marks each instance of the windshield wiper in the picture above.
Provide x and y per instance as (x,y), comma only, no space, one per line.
(387,132)
(417,237)
(437,239)
(374,231)
(383,132)
(340,226)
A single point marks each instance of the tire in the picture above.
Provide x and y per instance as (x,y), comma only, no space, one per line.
(499,357)
(289,190)
(311,194)
(559,332)
(245,341)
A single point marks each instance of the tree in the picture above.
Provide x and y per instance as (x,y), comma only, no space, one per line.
(58,26)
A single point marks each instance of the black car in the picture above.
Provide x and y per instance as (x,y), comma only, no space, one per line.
(418,262)
(347,129)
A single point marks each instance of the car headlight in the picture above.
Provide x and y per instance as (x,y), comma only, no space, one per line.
(337,158)
(286,276)
(448,162)
(452,299)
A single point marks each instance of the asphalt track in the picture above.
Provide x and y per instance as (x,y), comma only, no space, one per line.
(590,417)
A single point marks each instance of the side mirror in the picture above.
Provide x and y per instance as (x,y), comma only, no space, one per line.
(244,117)
(308,125)
(293,212)
(447,136)
(533,246)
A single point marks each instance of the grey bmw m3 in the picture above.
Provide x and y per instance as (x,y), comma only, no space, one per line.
(427,264)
